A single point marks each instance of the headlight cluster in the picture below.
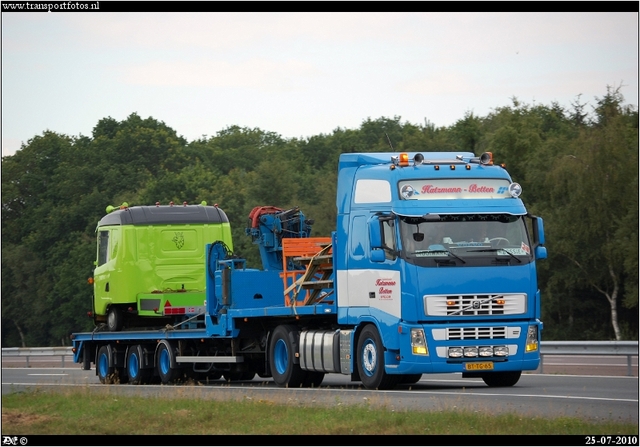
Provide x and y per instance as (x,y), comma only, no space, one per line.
(532,339)
(478,351)
(418,342)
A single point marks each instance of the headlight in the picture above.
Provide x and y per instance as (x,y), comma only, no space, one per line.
(532,339)
(418,342)
(455,353)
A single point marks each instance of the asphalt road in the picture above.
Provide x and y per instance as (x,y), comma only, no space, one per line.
(552,394)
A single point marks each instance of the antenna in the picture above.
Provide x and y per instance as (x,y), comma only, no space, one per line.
(389,140)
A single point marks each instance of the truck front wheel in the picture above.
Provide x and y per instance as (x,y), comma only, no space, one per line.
(282,350)
(502,379)
(371,361)
(115,319)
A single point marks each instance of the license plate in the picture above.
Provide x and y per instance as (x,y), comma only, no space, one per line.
(478,366)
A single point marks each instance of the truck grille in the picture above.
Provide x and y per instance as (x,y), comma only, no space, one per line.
(476,333)
(475,305)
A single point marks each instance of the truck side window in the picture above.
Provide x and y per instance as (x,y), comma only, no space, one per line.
(389,238)
(103,247)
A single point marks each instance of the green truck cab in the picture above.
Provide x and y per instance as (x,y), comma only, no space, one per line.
(148,270)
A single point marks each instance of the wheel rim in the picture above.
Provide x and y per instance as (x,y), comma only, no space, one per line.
(134,365)
(281,356)
(103,365)
(369,357)
(111,319)
(165,361)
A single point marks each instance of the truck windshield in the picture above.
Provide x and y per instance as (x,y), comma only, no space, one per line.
(470,240)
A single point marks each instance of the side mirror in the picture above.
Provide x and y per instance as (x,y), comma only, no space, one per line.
(541,252)
(375,232)
(538,237)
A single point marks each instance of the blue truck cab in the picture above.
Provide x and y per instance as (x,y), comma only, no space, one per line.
(437,259)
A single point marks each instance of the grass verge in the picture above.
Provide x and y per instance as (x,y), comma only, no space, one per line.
(40,412)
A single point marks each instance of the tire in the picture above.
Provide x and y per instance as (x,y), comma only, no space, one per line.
(502,379)
(137,375)
(86,357)
(313,379)
(115,319)
(282,350)
(370,358)
(104,369)
(410,378)
(165,357)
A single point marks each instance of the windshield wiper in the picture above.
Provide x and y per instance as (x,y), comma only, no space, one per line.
(441,250)
(496,250)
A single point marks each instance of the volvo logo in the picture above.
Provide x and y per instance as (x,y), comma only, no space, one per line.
(476,304)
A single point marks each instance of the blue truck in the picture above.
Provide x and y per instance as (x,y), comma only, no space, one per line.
(431,269)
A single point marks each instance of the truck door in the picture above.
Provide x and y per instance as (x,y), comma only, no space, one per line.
(373,281)
(105,267)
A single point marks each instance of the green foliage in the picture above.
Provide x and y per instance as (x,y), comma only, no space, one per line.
(578,171)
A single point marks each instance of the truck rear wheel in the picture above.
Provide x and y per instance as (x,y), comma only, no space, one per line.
(282,350)
(371,361)
(502,379)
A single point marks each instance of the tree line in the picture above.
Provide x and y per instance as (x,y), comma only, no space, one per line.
(578,167)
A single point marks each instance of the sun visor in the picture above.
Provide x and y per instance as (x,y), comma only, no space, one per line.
(416,208)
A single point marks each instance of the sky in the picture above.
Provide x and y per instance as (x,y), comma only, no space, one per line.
(302,74)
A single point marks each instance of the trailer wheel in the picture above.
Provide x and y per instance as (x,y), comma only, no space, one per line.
(502,379)
(165,357)
(104,369)
(371,361)
(284,371)
(137,375)
(114,319)
(86,357)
